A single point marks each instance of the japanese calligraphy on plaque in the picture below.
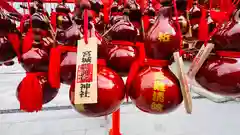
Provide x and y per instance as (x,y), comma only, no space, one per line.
(198,61)
(183,83)
(86,72)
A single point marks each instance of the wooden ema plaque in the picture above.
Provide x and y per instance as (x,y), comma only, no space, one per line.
(86,72)
(183,83)
(198,61)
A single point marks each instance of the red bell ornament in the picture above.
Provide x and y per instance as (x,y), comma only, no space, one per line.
(122,55)
(123,30)
(111,93)
(36,45)
(62,66)
(220,73)
(148,17)
(34,91)
(163,38)
(227,36)
(153,88)
(34,57)
(67,33)
(9,39)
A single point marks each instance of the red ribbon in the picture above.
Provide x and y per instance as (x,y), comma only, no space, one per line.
(231,54)
(85,26)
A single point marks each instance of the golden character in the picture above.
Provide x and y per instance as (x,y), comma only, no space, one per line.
(162,37)
(154,96)
(60,20)
(159,86)
(158,97)
(157,107)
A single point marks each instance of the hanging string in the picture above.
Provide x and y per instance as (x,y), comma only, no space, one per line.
(210,4)
(29,7)
(85,26)
(29,12)
(24,10)
(178,25)
(12,6)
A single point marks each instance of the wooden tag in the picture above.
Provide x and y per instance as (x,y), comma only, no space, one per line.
(183,82)
(199,59)
(86,72)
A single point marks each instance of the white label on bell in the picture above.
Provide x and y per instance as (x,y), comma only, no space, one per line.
(198,61)
(86,72)
(183,83)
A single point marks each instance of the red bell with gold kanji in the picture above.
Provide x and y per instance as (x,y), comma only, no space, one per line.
(162,39)
(153,88)
(111,93)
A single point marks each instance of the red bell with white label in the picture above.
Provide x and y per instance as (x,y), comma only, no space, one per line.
(153,88)
(34,91)
(111,93)
(62,66)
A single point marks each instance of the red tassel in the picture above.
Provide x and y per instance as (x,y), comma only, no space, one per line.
(30,93)
(203,27)
(146,22)
(54,20)
(228,54)
(105,12)
(189,4)
(54,68)
(101,62)
(27,42)
(225,5)
(218,17)
(14,39)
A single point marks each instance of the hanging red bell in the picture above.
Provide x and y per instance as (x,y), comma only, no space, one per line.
(162,39)
(219,73)
(123,29)
(111,93)
(9,39)
(62,66)
(34,91)
(227,36)
(121,50)
(36,45)
(154,88)
(122,55)
(149,15)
